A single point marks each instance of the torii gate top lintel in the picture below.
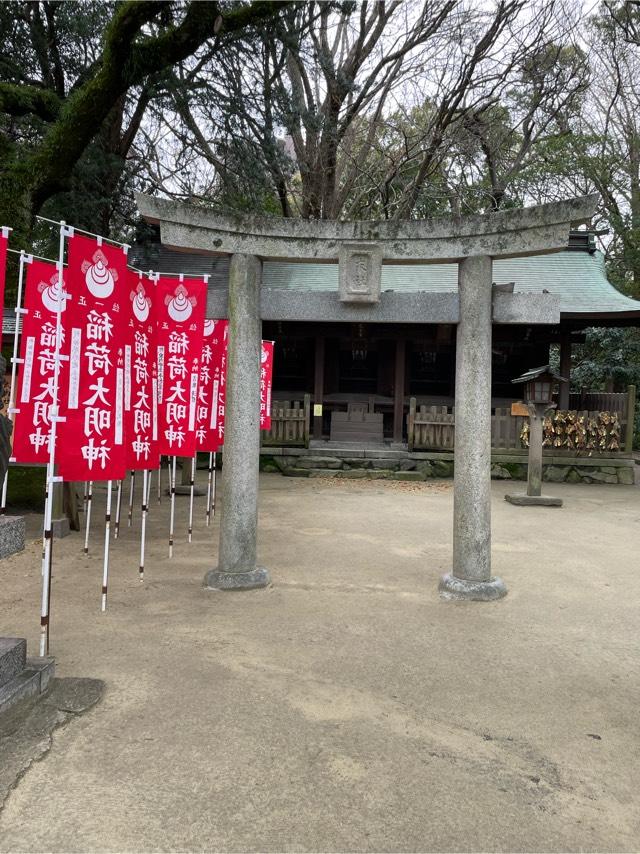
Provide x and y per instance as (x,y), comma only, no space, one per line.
(525,231)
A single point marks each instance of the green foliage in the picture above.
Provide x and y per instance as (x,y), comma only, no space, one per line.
(608,360)
(25,488)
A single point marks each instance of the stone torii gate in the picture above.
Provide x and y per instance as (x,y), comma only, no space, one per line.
(361,248)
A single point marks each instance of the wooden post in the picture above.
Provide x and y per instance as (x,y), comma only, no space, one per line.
(318,389)
(411,422)
(398,394)
(307,419)
(534,463)
(565,370)
(631,415)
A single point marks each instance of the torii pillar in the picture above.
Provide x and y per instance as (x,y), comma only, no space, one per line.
(237,567)
(471,575)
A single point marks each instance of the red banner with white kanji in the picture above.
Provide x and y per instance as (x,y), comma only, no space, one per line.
(93,445)
(180,307)
(211,391)
(34,395)
(140,377)
(4,245)
(266,381)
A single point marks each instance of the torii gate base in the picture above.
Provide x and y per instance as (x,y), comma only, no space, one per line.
(360,249)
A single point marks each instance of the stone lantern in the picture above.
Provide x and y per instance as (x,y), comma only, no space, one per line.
(538,395)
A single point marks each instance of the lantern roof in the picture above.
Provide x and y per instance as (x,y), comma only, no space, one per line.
(536,373)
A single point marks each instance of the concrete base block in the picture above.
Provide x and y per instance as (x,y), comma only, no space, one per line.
(13,657)
(11,535)
(61,527)
(45,667)
(521,499)
(258,577)
(452,588)
(186,490)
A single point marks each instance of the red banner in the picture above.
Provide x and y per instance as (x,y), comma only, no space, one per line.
(180,307)
(4,244)
(266,380)
(92,446)
(34,395)
(140,377)
(213,378)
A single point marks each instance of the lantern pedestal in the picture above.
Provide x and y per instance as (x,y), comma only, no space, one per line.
(186,490)
(523,500)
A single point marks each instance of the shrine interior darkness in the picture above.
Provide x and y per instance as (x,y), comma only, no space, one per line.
(361,362)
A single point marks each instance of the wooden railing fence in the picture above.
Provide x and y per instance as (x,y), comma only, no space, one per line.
(432,428)
(290,422)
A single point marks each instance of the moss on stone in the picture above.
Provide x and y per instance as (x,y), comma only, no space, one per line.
(442,468)
(267,463)
(625,475)
(408,475)
(518,471)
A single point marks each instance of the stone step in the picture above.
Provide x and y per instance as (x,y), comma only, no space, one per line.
(32,681)
(13,657)
(357,474)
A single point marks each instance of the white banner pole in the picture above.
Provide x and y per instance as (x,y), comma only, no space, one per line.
(192,484)
(87,525)
(45,601)
(172,487)
(209,478)
(143,519)
(116,529)
(107,530)
(24,259)
(132,486)
(213,493)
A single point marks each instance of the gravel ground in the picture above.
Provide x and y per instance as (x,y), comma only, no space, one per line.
(345,708)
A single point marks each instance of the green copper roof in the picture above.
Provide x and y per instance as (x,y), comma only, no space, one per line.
(578,278)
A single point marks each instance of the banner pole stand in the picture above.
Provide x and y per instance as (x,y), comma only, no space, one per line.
(192,484)
(209,479)
(143,518)
(116,529)
(132,487)
(172,487)
(107,530)
(88,519)
(14,366)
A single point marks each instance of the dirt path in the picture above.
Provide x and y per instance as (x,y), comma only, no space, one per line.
(345,708)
